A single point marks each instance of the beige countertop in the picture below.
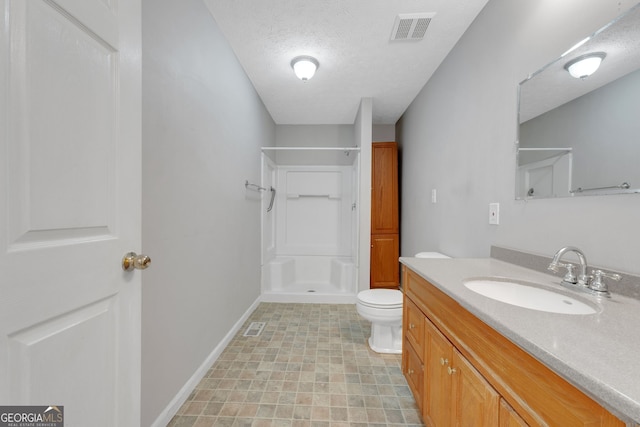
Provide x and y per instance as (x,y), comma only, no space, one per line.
(598,353)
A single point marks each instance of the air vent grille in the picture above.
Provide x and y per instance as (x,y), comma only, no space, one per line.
(411,26)
(254,329)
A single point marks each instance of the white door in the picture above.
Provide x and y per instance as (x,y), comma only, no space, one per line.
(70,208)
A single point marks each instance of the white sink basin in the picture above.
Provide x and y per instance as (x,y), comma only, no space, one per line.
(527,295)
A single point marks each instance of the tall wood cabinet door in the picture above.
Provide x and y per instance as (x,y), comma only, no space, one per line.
(475,403)
(437,395)
(385,267)
(384,188)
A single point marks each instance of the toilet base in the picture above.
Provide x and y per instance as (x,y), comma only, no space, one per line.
(386,339)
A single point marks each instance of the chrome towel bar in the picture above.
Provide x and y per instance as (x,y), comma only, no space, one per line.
(251,186)
(256,187)
(623,186)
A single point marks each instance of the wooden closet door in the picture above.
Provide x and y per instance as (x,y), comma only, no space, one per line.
(384,185)
(385,268)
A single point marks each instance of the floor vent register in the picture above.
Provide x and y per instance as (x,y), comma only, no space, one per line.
(254,329)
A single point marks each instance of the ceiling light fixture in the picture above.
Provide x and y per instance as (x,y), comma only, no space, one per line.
(585,65)
(304,67)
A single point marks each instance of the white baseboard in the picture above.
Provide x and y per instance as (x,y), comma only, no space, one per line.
(167,414)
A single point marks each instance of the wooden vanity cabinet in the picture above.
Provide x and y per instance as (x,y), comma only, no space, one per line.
(472,375)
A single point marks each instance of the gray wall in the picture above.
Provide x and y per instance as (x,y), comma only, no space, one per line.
(313,136)
(203,126)
(458,137)
(384,133)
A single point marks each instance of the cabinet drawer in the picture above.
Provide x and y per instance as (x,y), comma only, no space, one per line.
(413,372)
(414,326)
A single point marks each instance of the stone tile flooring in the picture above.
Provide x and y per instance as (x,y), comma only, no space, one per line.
(310,366)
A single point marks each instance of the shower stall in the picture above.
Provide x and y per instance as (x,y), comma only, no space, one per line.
(310,234)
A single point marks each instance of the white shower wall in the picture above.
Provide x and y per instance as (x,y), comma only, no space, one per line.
(308,237)
(314,210)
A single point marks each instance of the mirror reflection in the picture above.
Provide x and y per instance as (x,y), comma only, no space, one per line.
(579,128)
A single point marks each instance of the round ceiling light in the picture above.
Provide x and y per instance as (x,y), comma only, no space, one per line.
(585,65)
(304,67)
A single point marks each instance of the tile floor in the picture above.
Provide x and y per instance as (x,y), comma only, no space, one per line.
(310,366)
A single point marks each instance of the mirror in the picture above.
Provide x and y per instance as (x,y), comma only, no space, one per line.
(581,136)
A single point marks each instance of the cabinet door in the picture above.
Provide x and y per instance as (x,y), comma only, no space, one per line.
(385,267)
(509,417)
(384,188)
(413,370)
(474,402)
(437,399)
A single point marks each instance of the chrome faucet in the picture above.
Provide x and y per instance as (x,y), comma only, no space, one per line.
(570,278)
(592,283)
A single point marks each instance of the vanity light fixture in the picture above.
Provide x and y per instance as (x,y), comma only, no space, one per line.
(304,67)
(585,65)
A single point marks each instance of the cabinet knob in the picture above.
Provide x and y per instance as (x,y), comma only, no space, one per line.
(410,372)
(451,370)
(412,326)
(444,361)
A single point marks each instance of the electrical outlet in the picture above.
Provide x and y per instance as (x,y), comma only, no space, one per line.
(494,213)
(434,196)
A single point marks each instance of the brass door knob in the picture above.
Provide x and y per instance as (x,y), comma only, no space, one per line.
(131,261)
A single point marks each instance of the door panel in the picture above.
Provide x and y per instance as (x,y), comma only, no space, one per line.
(86,339)
(385,267)
(475,402)
(439,353)
(384,185)
(63,93)
(70,114)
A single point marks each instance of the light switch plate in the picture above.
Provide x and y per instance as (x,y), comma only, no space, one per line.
(494,213)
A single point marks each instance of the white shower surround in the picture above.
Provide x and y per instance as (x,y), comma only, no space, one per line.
(310,237)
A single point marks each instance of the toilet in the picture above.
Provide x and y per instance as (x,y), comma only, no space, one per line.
(383,308)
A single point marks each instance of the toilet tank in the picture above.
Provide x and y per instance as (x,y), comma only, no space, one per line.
(431,255)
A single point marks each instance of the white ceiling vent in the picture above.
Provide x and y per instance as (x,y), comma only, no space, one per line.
(411,26)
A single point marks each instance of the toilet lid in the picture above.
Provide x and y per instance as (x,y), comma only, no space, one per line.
(387,298)
(430,255)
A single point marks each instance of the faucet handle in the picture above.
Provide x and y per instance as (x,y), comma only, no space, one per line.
(599,285)
(570,276)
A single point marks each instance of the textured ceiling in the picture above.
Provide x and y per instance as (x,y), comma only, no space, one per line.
(553,86)
(351,40)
